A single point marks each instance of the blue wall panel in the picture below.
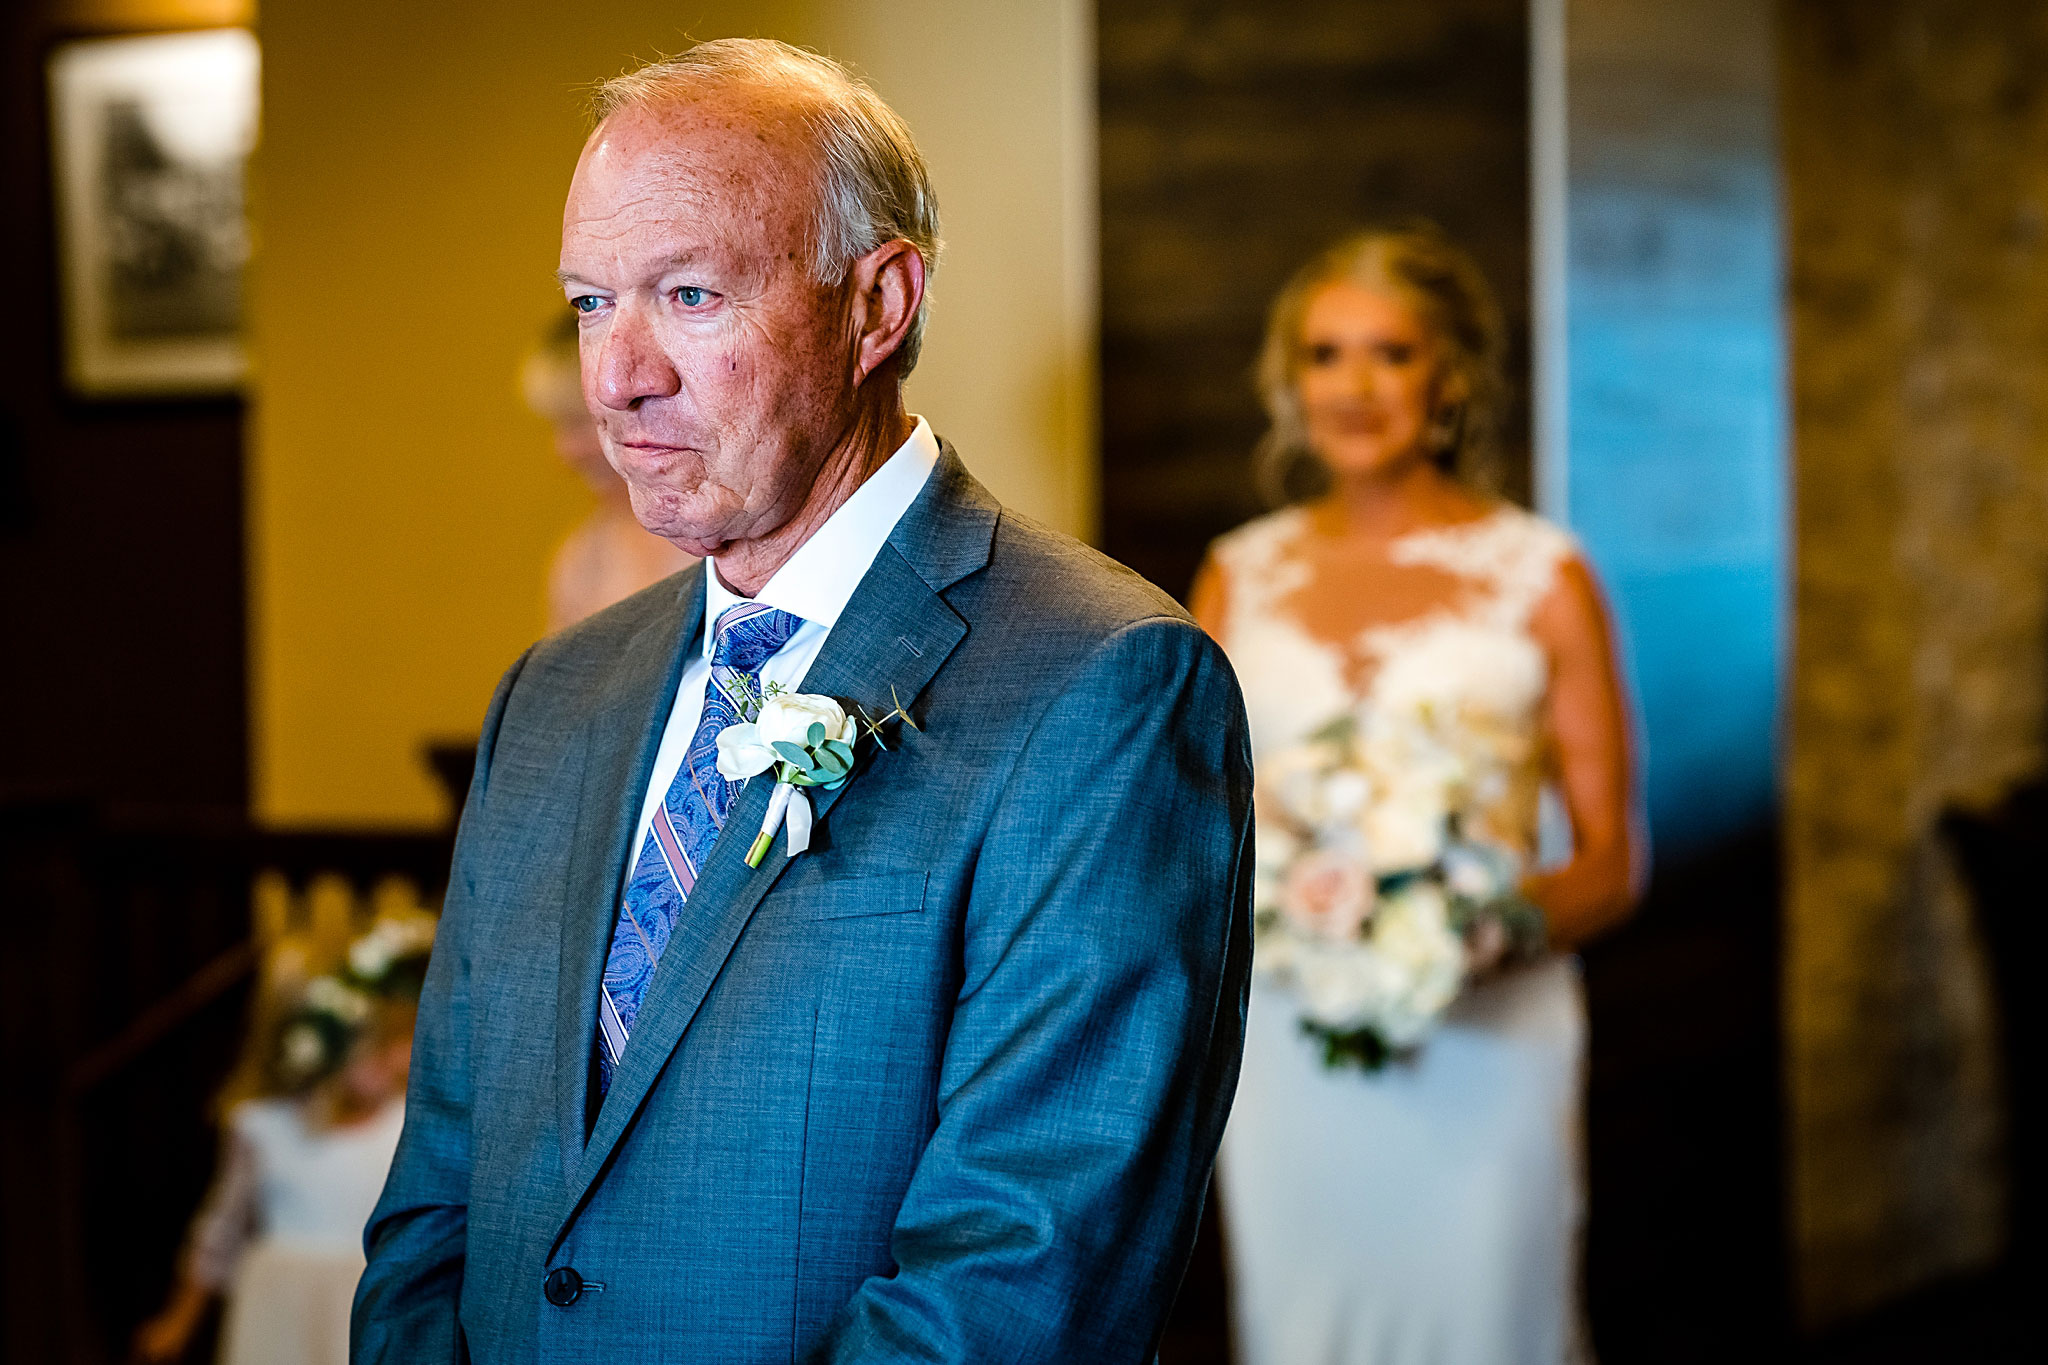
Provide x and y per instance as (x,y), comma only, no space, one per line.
(1675,424)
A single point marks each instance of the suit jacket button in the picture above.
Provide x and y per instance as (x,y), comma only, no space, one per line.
(563,1286)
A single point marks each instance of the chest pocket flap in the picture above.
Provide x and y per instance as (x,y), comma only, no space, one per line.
(855,897)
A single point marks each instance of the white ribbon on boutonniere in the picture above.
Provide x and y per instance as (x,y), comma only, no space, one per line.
(808,739)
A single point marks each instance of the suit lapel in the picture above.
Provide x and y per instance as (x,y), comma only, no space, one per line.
(619,743)
(895,633)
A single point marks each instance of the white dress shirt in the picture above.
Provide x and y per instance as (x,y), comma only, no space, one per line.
(815,584)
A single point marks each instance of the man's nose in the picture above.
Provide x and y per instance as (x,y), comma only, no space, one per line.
(631,365)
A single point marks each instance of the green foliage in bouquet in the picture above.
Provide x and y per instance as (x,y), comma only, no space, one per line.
(1359,1047)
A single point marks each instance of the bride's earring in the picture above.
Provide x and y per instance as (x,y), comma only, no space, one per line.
(1446,428)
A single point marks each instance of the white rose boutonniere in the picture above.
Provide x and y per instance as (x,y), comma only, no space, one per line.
(808,739)
(749,748)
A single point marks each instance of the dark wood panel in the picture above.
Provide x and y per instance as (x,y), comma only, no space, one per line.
(121,561)
(124,991)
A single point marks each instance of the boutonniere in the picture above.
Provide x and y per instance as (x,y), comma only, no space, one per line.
(809,740)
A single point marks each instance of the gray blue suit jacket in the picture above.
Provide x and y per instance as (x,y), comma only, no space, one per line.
(947,1087)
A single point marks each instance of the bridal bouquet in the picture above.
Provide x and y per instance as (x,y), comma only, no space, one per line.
(1378,894)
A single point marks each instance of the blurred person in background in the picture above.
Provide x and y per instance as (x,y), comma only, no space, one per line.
(1401,1172)
(610,556)
(312,1117)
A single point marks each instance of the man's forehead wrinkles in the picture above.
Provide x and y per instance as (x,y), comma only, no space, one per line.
(732,192)
(596,221)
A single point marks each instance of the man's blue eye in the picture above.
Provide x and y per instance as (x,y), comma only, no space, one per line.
(585,303)
(691,295)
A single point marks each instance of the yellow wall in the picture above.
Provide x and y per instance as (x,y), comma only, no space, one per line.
(407,201)
(1001,95)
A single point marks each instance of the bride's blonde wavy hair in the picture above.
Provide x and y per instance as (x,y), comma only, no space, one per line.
(1417,261)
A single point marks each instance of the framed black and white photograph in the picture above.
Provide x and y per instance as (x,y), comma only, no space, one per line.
(150,137)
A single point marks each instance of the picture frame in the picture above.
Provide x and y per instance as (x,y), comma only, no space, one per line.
(150,138)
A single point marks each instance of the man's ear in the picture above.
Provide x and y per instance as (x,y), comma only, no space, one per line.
(888,289)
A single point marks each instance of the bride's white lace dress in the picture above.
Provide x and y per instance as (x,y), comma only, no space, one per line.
(1428,1213)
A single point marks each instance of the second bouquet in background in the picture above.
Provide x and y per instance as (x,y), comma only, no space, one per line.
(1380,894)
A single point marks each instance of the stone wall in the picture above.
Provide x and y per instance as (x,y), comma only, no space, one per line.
(1238,138)
(1916,163)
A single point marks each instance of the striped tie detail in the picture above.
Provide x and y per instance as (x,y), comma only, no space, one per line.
(683,828)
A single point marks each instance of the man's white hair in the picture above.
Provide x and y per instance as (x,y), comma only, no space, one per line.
(874,187)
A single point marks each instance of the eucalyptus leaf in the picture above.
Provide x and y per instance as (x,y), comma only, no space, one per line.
(841,749)
(816,734)
(793,753)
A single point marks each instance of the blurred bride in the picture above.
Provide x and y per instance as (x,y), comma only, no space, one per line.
(1422,1204)
(610,555)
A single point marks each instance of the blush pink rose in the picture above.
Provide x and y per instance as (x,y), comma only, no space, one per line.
(1327,895)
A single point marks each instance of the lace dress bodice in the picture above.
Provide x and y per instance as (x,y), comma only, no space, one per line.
(1466,662)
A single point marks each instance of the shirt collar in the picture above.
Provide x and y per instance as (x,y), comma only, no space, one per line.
(818,580)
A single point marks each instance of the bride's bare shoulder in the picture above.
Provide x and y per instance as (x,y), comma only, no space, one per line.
(1247,565)
(1570,616)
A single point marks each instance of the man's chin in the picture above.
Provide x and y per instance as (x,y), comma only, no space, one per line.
(690,541)
(694,535)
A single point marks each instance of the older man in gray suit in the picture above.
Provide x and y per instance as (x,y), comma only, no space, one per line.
(944,1083)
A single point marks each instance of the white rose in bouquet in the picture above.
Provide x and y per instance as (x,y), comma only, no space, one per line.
(1404,829)
(1404,751)
(1311,788)
(1344,985)
(1346,793)
(1413,931)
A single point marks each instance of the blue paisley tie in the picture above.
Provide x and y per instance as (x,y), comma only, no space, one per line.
(683,829)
